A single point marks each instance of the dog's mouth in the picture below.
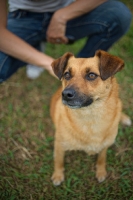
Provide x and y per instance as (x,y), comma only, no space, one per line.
(72,105)
(74,100)
(77,104)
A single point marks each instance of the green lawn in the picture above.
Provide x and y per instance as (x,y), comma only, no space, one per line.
(27,135)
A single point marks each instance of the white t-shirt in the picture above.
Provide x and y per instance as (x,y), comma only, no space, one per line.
(38,5)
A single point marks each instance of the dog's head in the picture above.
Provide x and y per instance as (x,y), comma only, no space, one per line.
(86,80)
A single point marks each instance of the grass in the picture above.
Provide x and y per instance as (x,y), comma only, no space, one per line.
(27,135)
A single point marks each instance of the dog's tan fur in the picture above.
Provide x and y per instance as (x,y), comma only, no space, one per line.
(92,128)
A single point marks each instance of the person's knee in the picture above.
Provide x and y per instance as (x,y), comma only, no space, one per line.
(5,67)
(122,15)
(3,76)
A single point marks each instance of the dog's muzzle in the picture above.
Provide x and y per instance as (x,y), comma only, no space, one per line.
(73,99)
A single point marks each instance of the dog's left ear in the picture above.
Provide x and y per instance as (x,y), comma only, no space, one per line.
(60,64)
(109,64)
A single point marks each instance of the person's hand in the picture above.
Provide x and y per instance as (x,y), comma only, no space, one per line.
(56,30)
(52,73)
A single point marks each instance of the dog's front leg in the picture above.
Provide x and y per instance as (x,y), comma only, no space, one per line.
(58,175)
(101,166)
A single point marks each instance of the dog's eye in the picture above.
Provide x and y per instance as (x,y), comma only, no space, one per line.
(67,75)
(91,76)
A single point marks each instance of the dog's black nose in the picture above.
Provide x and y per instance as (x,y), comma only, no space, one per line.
(68,94)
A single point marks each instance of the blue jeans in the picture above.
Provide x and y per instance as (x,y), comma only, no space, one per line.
(103,26)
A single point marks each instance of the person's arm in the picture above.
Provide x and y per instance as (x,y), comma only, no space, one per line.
(16,47)
(57,27)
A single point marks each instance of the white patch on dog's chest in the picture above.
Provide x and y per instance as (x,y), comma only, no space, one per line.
(93,146)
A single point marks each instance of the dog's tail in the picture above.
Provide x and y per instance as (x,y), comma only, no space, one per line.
(125,120)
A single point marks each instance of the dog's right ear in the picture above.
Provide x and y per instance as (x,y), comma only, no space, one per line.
(60,64)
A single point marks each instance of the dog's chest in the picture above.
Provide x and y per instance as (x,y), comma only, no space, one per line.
(89,131)
(90,139)
(91,147)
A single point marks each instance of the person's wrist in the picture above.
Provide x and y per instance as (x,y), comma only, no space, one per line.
(60,17)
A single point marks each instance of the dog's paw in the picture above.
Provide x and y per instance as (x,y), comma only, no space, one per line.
(57,178)
(125,120)
(101,175)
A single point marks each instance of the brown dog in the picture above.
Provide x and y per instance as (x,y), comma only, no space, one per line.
(86,111)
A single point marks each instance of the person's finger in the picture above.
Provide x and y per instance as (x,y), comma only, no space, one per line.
(58,40)
(61,40)
(52,73)
(65,40)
